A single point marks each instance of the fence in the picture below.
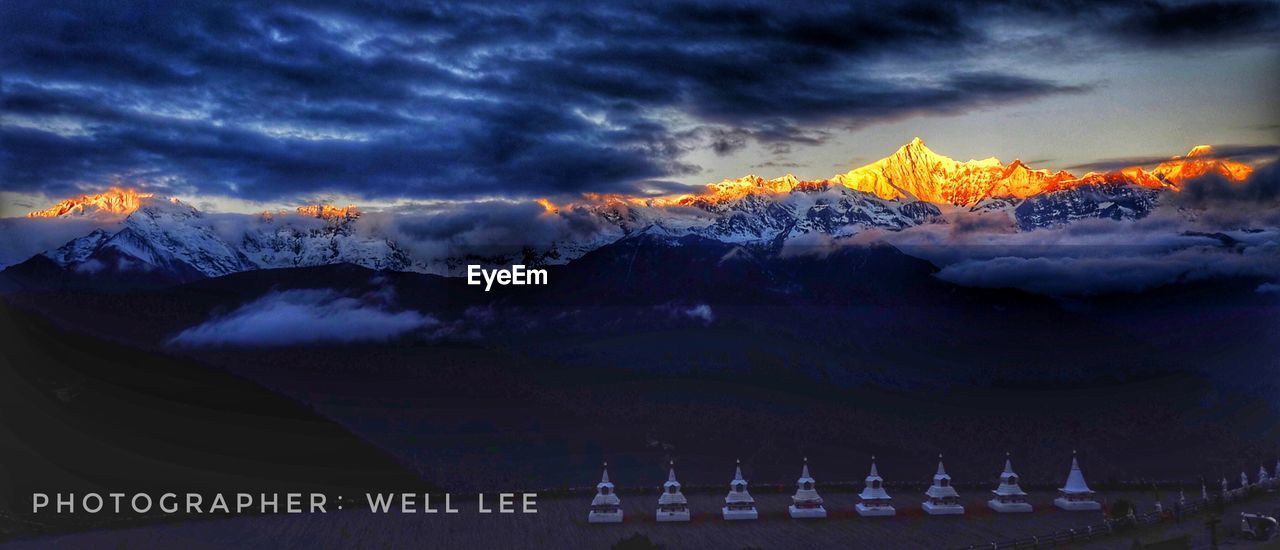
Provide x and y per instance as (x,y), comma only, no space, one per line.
(1110,526)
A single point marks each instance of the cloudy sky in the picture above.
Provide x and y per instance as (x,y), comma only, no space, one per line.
(247,104)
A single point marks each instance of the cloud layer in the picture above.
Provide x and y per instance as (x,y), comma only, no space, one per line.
(1211,229)
(294,317)
(459,99)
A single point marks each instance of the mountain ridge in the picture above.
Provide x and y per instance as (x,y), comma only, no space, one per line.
(169,240)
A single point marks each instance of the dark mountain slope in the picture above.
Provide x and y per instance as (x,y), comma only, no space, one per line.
(81,414)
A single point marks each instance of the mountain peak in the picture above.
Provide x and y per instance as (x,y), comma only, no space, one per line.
(1201,161)
(115,201)
(329,211)
(1200,150)
(917,146)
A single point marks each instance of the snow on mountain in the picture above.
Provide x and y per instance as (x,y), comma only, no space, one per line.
(911,187)
(78,250)
(318,235)
(1106,197)
(174,237)
(170,237)
(753,209)
(916,172)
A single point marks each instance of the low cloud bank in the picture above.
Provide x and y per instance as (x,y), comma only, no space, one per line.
(26,237)
(1103,274)
(1213,228)
(292,317)
(698,312)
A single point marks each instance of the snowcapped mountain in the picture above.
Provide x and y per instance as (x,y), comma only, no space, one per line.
(172,241)
(168,239)
(112,203)
(171,236)
(318,235)
(1104,197)
(1200,161)
(912,186)
(753,209)
(915,172)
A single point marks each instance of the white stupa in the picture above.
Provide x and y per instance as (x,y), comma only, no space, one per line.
(672,506)
(1204,490)
(1262,474)
(738,504)
(806,503)
(1225,487)
(1244,479)
(1009,497)
(605,507)
(1076,496)
(943,499)
(875,501)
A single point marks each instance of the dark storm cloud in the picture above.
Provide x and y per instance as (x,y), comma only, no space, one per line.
(1260,192)
(1250,154)
(455,99)
(1149,23)
(1162,25)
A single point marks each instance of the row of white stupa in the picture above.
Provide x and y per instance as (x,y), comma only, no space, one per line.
(942,499)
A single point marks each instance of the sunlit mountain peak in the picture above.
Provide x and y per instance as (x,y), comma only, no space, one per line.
(1201,161)
(1200,150)
(116,201)
(329,211)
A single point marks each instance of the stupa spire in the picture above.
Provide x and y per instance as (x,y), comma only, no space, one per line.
(1009,496)
(806,503)
(738,504)
(943,499)
(672,505)
(874,500)
(1076,495)
(605,507)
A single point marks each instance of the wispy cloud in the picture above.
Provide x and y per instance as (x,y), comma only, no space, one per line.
(295,317)
(1252,154)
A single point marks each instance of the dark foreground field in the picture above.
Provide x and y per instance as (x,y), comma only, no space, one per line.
(561,523)
(79,414)
(1170,387)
